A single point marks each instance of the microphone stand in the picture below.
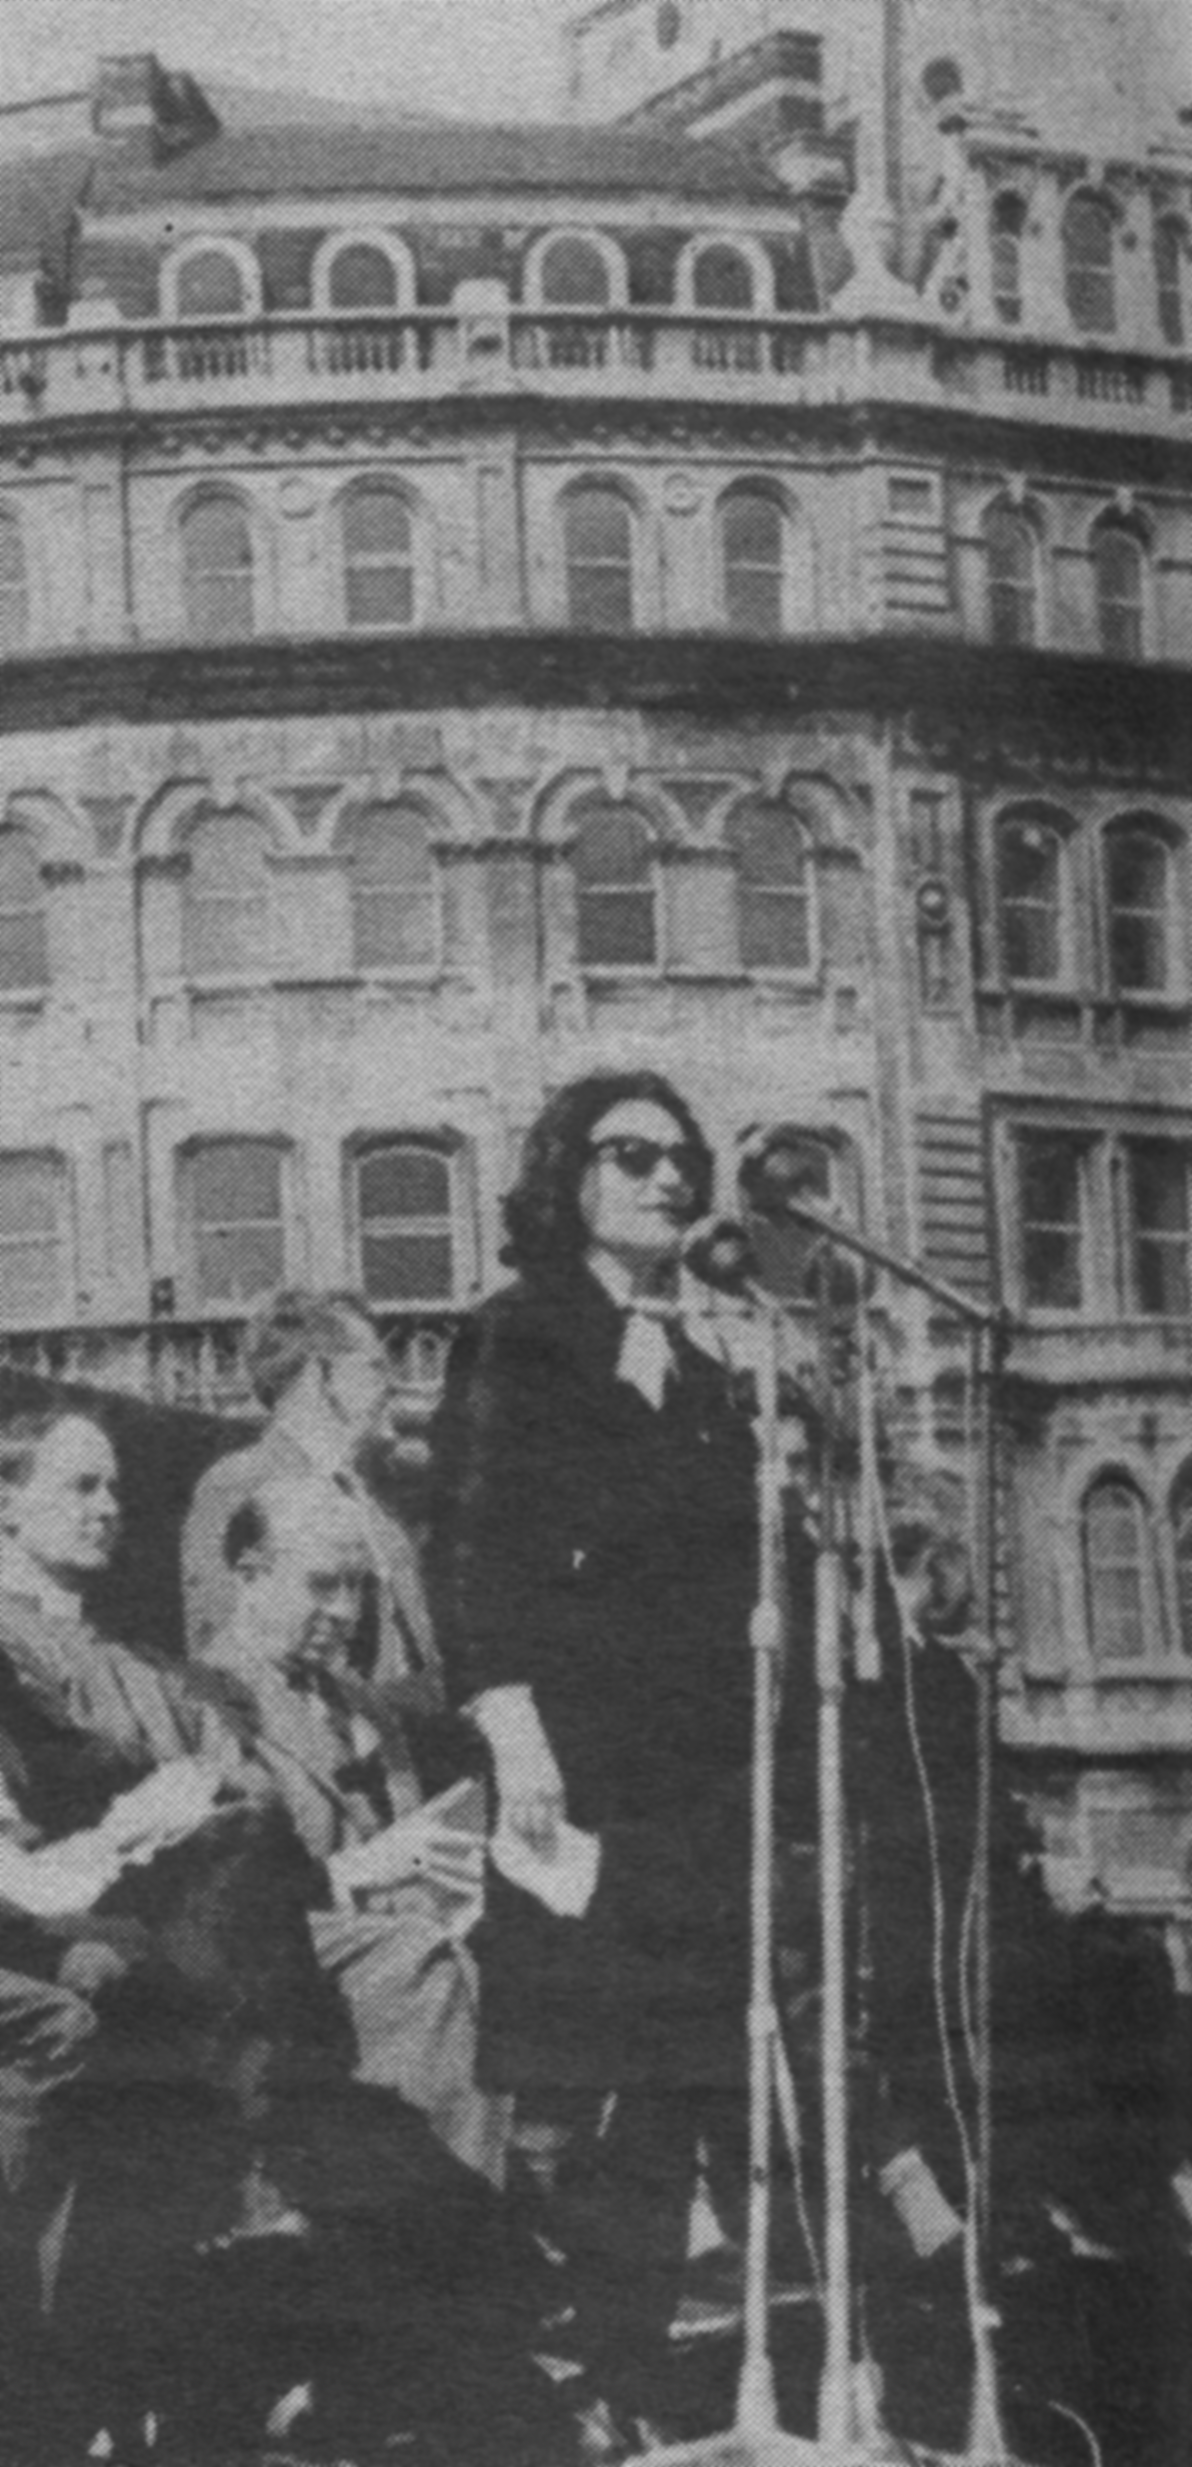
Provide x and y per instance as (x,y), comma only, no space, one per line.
(756,2439)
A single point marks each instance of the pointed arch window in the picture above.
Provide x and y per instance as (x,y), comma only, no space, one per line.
(404,1206)
(1088,246)
(24,944)
(574,273)
(1031,859)
(14,587)
(209,283)
(1012,555)
(1007,224)
(1170,249)
(361,277)
(396,907)
(379,564)
(775,887)
(1118,1577)
(1138,881)
(217,569)
(616,887)
(722,278)
(753,561)
(1119,575)
(226,897)
(598,542)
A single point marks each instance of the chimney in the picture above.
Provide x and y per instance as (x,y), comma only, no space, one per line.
(164,111)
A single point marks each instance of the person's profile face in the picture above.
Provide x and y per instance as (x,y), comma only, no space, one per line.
(66,1516)
(359,1383)
(637,1194)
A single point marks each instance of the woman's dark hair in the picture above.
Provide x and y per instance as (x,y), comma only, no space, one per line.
(546,1230)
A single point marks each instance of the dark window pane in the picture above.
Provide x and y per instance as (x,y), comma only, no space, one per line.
(377,524)
(1138,866)
(1049,1192)
(379,595)
(402,1267)
(1088,265)
(598,527)
(616,929)
(601,599)
(1010,547)
(612,848)
(226,899)
(574,275)
(395,900)
(1118,566)
(1030,858)
(599,552)
(723,279)
(1159,1194)
(237,1263)
(774,887)
(1182,1535)
(14,606)
(1009,217)
(24,949)
(210,285)
(404,1182)
(235,1180)
(362,277)
(1170,245)
(775,930)
(33,1259)
(236,1206)
(752,549)
(217,570)
(1115,1543)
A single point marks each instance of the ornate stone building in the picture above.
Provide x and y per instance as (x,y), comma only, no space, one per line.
(708,582)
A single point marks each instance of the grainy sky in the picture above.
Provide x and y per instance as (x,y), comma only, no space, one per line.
(475,57)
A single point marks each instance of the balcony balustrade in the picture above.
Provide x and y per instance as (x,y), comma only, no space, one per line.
(625,354)
(197,1366)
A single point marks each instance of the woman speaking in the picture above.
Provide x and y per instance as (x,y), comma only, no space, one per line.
(593,1560)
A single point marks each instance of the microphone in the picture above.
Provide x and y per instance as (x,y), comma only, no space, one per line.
(772,1173)
(719,1253)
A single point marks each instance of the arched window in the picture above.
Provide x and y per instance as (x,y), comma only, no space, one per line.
(234,1198)
(753,561)
(573,273)
(404,1217)
(598,552)
(226,897)
(615,886)
(1006,226)
(396,922)
(360,277)
(774,886)
(14,588)
(217,569)
(1119,574)
(722,279)
(1138,902)
(378,558)
(1181,1540)
(1012,554)
(1117,1573)
(34,1239)
(1030,889)
(1088,236)
(209,284)
(24,949)
(1170,250)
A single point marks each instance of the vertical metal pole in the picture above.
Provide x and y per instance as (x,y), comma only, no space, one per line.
(757,2405)
(835,2422)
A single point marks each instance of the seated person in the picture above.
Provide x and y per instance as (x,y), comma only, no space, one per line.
(321,1372)
(157,1981)
(403,1880)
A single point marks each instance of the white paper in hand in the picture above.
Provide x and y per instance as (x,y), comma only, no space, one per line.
(563,1879)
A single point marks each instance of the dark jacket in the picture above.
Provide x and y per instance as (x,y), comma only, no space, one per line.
(603,1554)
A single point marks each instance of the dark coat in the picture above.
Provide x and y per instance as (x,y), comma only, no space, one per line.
(603,1554)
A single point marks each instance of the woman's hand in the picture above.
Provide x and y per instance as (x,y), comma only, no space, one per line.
(532,1800)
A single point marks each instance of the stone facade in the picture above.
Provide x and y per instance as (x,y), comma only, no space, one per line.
(479,603)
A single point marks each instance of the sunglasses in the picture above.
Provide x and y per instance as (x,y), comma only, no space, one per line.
(639,1158)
